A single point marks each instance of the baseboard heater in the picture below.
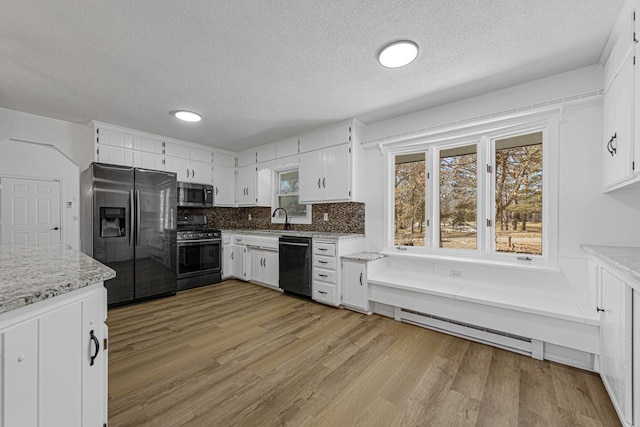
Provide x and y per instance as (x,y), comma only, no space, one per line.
(476,333)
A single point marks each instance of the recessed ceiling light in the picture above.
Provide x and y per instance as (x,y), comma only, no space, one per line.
(398,54)
(187,116)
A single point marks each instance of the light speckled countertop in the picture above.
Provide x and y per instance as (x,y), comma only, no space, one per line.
(32,273)
(313,234)
(624,258)
(364,256)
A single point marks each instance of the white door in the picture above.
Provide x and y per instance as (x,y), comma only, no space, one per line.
(335,173)
(30,211)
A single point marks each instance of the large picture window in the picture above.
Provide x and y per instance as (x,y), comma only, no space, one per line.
(485,198)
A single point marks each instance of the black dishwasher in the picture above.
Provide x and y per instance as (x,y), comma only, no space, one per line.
(295,265)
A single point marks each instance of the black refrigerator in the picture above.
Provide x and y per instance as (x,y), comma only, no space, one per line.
(129,224)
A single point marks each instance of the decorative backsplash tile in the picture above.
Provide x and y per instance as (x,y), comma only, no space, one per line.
(343,218)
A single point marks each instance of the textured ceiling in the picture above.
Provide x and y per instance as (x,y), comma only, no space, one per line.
(261,70)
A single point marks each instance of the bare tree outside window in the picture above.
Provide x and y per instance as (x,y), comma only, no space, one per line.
(518,190)
(409,190)
(459,197)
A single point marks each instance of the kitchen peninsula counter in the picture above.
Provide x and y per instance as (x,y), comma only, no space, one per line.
(32,273)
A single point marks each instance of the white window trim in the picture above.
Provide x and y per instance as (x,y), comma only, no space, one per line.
(308,219)
(548,123)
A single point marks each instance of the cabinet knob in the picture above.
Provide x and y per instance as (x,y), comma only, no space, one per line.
(21,358)
(598,309)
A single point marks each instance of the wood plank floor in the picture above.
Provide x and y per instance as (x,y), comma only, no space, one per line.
(240,354)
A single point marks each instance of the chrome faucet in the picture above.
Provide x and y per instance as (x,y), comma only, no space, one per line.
(286,217)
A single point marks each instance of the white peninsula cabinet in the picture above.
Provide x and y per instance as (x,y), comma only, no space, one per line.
(54,348)
(355,287)
(327,282)
(617,297)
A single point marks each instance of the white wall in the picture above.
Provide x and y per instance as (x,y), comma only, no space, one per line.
(33,146)
(586,215)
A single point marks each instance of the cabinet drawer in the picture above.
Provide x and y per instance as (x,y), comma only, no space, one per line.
(324,275)
(269,243)
(324,291)
(252,241)
(327,262)
(324,248)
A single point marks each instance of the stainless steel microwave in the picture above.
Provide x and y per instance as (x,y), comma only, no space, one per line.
(195,195)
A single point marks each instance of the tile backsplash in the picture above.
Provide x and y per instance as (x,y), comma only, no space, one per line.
(343,218)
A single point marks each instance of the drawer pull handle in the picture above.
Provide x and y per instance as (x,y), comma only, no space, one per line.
(598,309)
(323,249)
(323,262)
(322,292)
(322,275)
(360,279)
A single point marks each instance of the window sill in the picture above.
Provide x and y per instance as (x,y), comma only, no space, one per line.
(394,253)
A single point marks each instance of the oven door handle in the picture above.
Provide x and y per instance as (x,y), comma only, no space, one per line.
(188,242)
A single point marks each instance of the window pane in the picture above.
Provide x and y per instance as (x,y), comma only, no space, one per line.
(519,194)
(409,191)
(294,209)
(289,182)
(458,197)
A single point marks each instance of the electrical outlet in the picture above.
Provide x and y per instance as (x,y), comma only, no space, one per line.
(455,273)
(249,217)
(326,216)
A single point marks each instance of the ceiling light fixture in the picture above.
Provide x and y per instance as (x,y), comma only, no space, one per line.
(187,116)
(398,54)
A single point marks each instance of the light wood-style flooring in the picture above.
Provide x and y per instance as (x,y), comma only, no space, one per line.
(240,354)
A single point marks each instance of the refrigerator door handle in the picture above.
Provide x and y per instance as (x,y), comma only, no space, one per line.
(137,217)
(131,217)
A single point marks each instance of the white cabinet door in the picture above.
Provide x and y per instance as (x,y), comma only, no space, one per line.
(201,172)
(355,291)
(233,261)
(616,341)
(286,147)
(335,173)
(224,182)
(147,145)
(200,155)
(256,265)
(271,268)
(114,155)
(311,141)
(148,161)
(337,136)
(114,138)
(94,359)
(618,125)
(246,189)
(173,149)
(19,375)
(265,152)
(182,167)
(60,367)
(310,176)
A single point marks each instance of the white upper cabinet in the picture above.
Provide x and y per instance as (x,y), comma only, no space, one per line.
(247,157)
(224,179)
(620,143)
(191,164)
(325,175)
(326,137)
(286,147)
(265,153)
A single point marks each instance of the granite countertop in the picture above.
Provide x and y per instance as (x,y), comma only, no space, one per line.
(364,256)
(32,273)
(315,234)
(624,258)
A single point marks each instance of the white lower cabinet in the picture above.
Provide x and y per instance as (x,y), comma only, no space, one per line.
(264,267)
(355,290)
(614,303)
(55,364)
(233,262)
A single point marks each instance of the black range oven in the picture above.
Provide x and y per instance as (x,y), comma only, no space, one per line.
(199,253)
